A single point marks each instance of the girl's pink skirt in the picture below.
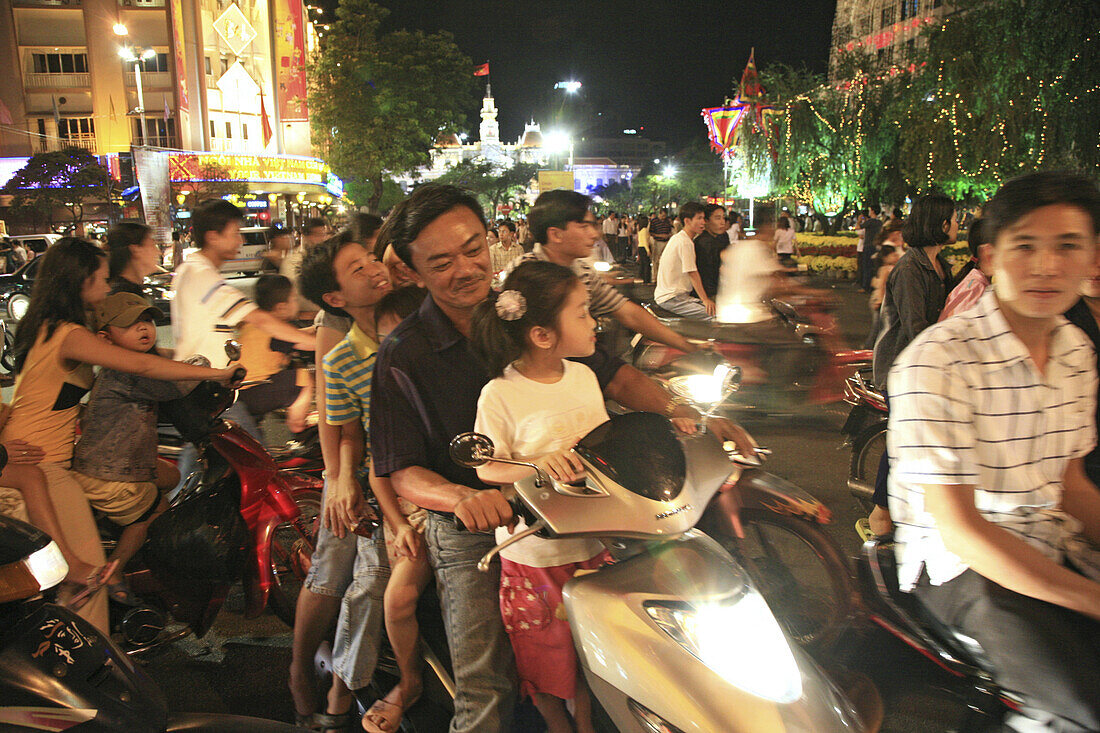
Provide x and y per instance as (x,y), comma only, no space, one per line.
(534,617)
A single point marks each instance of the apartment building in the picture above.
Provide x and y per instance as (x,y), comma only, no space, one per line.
(887,30)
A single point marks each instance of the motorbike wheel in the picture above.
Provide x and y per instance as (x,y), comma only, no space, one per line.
(867,450)
(7,353)
(801,573)
(286,549)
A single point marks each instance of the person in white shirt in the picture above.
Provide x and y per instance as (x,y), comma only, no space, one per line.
(611,234)
(206,309)
(991,414)
(677,276)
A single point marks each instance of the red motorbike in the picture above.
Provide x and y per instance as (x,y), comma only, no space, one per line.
(795,359)
(238,518)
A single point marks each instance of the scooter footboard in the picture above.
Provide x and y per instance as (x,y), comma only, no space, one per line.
(679,632)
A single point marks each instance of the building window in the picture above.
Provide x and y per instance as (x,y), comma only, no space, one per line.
(864,25)
(161,131)
(206,64)
(935,4)
(228,128)
(60,63)
(244,130)
(888,15)
(41,127)
(71,128)
(909,8)
(910,49)
(212,132)
(157,63)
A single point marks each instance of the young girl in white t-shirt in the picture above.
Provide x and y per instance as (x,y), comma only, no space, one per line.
(536,408)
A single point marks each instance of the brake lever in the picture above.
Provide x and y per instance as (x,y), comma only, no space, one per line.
(748,461)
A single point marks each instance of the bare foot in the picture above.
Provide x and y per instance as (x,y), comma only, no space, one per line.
(880,521)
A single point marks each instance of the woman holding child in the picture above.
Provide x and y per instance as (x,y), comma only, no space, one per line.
(55,350)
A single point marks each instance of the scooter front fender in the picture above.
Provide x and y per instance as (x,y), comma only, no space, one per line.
(628,657)
(762,490)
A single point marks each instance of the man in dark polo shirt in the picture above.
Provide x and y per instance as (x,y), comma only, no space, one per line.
(425,391)
(709,247)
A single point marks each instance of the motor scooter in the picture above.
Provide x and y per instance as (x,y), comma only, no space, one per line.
(238,518)
(795,359)
(865,432)
(672,634)
(58,672)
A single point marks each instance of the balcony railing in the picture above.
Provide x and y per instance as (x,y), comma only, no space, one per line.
(58,81)
(150,80)
(47,3)
(157,141)
(49,144)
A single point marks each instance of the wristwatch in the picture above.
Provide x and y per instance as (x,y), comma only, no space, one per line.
(674,402)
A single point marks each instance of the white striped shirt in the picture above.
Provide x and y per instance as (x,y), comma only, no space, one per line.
(603,299)
(205,310)
(969,406)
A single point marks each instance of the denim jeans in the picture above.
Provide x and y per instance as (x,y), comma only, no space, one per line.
(687,306)
(359,626)
(484,668)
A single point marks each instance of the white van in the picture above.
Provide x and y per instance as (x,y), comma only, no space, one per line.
(250,257)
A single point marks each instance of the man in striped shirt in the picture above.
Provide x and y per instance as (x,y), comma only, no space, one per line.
(565,231)
(991,414)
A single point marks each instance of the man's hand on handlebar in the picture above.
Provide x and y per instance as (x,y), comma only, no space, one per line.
(481,511)
(232,375)
(564,466)
(724,430)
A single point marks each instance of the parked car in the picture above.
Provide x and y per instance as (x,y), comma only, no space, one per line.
(36,243)
(15,292)
(250,257)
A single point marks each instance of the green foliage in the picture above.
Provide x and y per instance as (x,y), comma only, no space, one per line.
(62,179)
(378,101)
(493,186)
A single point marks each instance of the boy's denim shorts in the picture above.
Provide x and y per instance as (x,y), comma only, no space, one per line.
(333,563)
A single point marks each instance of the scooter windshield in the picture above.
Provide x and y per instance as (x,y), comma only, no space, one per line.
(640,452)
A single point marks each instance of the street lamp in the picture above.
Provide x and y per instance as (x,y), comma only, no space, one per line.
(120,29)
(558,142)
(569,87)
(127,54)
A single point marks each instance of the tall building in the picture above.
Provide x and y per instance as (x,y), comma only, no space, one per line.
(208,75)
(888,30)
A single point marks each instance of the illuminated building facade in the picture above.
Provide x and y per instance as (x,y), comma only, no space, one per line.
(888,30)
(215,75)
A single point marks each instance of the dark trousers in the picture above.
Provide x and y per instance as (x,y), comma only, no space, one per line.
(1047,654)
(644,264)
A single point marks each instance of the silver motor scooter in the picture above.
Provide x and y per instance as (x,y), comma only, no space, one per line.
(672,635)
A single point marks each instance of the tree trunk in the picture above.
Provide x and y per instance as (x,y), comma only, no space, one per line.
(377,184)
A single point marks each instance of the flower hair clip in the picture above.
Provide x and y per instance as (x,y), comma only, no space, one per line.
(511,305)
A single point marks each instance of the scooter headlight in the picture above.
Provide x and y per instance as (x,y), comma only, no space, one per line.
(42,569)
(739,639)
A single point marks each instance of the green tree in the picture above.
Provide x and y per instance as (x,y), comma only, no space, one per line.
(378,101)
(65,179)
(1009,86)
(493,185)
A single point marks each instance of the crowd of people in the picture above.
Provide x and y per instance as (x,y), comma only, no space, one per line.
(989,481)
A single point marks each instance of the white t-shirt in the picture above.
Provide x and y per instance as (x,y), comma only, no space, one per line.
(527,420)
(611,226)
(205,310)
(734,232)
(677,261)
(784,241)
(747,270)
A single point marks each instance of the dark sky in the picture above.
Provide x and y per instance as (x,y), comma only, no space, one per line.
(642,62)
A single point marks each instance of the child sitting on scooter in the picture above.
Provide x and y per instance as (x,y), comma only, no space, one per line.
(538,405)
(115,460)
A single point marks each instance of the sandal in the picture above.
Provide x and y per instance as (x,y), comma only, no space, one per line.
(385,716)
(307,721)
(121,593)
(74,596)
(337,721)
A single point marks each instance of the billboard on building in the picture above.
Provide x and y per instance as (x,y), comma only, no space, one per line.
(550,180)
(179,54)
(290,60)
(251,168)
(151,167)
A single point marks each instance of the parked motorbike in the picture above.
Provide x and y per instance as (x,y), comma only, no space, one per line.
(57,672)
(794,360)
(238,518)
(865,431)
(673,634)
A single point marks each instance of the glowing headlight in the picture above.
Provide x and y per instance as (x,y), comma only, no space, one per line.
(43,569)
(739,639)
(601,266)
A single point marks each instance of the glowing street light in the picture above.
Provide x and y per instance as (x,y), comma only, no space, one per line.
(558,142)
(126,53)
(569,87)
(120,29)
(670,171)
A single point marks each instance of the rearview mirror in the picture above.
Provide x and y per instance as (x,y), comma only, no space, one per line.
(471,449)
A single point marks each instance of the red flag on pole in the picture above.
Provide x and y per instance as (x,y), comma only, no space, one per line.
(265,122)
(482,70)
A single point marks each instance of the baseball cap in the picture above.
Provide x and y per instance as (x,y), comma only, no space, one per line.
(123,310)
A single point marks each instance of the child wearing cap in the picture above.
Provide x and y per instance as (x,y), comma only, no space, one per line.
(115,458)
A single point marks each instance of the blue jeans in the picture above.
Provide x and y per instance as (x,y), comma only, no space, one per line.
(359,626)
(687,306)
(239,414)
(481,655)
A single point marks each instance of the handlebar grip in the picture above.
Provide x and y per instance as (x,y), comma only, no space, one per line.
(518,510)
(238,375)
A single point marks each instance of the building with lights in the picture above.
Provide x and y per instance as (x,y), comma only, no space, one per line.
(164,89)
(888,30)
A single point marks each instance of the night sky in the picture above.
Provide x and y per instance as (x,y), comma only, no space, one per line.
(643,63)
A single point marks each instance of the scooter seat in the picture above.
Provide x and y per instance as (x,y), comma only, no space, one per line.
(659,312)
(955,649)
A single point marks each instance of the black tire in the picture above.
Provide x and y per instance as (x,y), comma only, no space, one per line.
(283,597)
(801,573)
(867,450)
(7,356)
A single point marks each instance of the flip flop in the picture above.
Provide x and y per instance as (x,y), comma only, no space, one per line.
(337,721)
(385,716)
(75,595)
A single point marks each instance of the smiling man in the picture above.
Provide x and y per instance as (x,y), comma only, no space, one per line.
(991,414)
